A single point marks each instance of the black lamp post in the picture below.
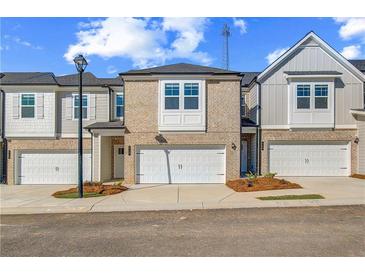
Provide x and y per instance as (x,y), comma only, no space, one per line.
(80,63)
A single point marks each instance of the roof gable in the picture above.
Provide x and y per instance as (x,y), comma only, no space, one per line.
(312,39)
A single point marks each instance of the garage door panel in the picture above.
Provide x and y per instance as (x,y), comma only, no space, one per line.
(310,159)
(51,168)
(180,164)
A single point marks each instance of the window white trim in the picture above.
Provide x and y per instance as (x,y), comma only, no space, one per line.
(320,96)
(307,118)
(87,108)
(191,96)
(304,96)
(115,105)
(34,106)
(330,94)
(182,119)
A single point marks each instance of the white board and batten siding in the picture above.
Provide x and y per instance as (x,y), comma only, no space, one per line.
(347,90)
(310,159)
(34,167)
(181,164)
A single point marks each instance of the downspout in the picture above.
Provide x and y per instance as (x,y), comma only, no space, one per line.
(5,141)
(241,127)
(258,131)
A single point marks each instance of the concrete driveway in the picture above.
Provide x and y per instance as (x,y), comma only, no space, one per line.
(37,199)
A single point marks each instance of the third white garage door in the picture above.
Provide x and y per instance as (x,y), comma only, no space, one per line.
(180,164)
(308,159)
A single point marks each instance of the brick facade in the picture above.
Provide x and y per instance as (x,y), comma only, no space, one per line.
(36,144)
(223,122)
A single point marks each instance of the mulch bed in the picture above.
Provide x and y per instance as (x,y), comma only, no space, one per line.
(94,188)
(260,184)
(358,176)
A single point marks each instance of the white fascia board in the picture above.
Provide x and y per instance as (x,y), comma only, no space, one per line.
(342,60)
(312,76)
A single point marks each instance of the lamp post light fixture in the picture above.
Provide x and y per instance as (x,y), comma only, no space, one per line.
(81,64)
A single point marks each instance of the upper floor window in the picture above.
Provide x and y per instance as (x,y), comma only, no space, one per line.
(303,96)
(172,96)
(76,105)
(119,105)
(321,96)
(28,106)
(191,96)
(182,105)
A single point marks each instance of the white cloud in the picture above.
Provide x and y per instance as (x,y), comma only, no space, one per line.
(351,27)
(111,70)
(241,24)
(21,42)
(5,47)
(351,52)
(272,56)
(143,40)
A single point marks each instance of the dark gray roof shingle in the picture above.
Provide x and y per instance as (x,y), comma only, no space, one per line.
(106,125)
(48,78)
(88,79)
(248,78)
(359,64)
(181,68)
(28,78)
(247,122)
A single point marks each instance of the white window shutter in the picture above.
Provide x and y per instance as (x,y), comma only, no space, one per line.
(68,110)
(15,106)
(40,105)
(92,109)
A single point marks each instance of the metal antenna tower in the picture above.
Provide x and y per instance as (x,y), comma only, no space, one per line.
(226,34)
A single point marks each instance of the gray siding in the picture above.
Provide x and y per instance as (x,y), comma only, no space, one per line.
(106,159)
(65,122)
(252,103)
(348,89)
(361,129)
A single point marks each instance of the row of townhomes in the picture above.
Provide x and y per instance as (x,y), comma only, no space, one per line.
(302,116)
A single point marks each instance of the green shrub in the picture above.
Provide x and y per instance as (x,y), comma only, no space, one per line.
(251,176)
(270,175)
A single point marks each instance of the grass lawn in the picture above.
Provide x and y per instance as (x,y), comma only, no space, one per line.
(292,197)
(76,195)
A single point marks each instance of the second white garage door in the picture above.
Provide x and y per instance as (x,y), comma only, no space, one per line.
(310,159)
(51,168)
(180,164)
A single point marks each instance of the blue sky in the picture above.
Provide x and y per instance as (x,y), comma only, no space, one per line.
(115,45)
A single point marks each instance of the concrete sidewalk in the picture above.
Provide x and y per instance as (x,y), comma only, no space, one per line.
(37,199)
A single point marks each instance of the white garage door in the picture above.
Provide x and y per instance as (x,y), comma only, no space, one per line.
(310,159)
(180,164)
(51,168)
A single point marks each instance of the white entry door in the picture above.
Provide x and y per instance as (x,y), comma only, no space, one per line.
(118,161)
(51,168)
(330,159)
(180,164)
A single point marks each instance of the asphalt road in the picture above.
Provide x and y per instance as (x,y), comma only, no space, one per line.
(311,231)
